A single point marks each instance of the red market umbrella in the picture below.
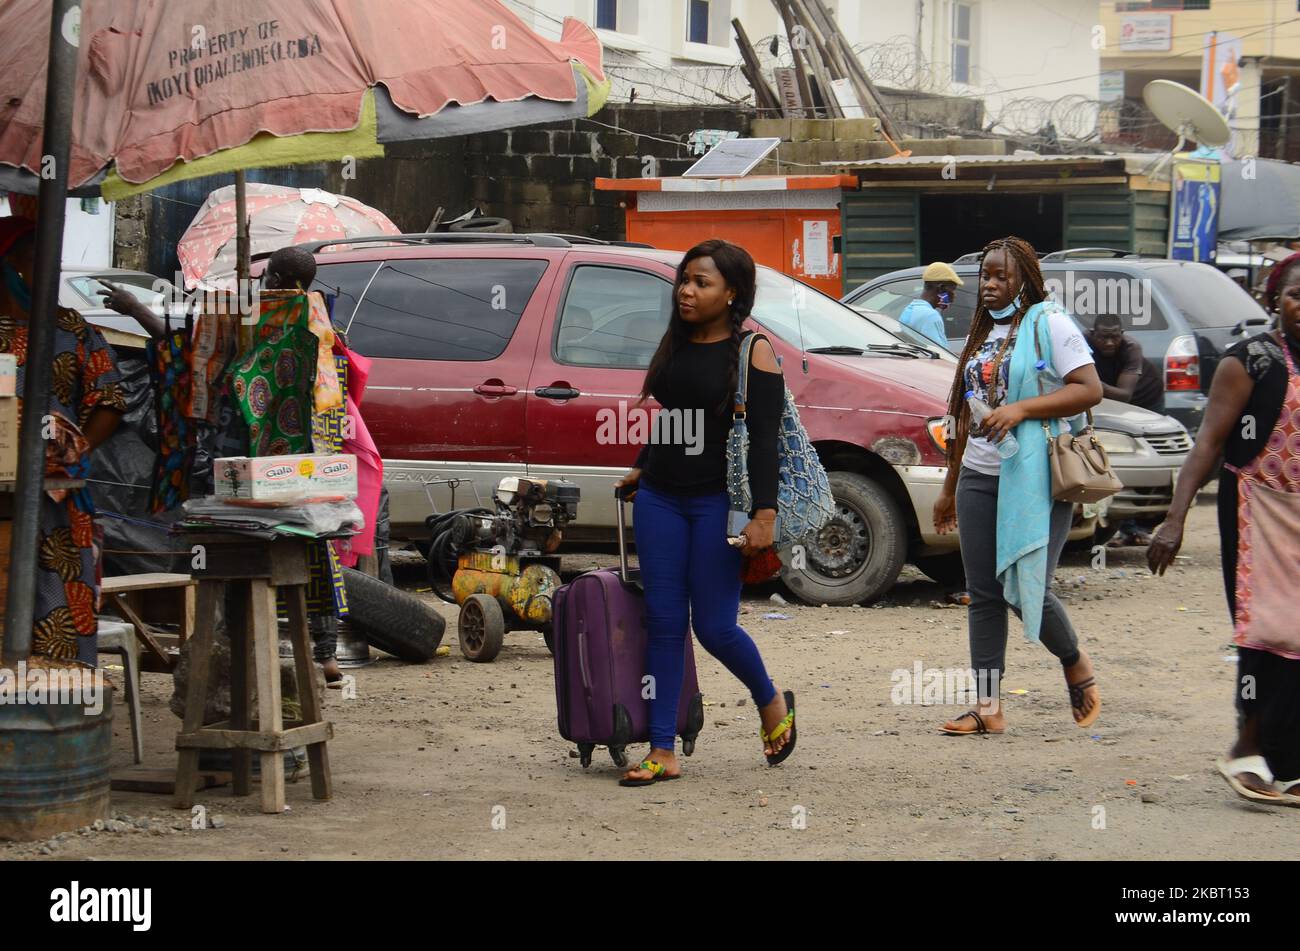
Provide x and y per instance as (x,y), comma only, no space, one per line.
(277,216)
(161,83)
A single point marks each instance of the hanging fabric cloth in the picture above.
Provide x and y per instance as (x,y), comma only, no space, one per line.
(170,360)
(273,384)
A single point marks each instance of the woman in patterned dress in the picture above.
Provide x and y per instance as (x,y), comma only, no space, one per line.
(1252,420)
(85,393)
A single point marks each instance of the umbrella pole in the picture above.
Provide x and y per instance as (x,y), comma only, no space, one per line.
(243,264)
(57,145)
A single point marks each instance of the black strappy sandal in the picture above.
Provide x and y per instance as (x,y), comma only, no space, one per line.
(980,728)
(1077,699)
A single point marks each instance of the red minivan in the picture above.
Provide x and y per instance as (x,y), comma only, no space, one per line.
(501,355)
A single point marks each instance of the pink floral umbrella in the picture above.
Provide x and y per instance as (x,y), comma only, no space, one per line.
(278,216)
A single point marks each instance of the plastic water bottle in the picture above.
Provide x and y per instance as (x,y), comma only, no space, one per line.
(1047,376)
(1052,382)
(980,411)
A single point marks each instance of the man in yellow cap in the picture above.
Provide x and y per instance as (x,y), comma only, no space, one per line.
(923,314)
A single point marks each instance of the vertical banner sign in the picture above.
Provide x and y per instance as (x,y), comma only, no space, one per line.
(1221,77)
(1195,224)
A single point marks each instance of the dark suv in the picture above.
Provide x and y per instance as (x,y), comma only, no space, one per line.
(1185,315)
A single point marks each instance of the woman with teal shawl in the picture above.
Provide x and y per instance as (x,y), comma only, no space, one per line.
(1012,532)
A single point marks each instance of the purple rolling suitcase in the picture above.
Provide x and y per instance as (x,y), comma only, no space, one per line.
(600,663)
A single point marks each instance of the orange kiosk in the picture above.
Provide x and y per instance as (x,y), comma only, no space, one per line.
(790,223)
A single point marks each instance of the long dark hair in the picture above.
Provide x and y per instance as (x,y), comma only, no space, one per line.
(1032,291)
(736,266)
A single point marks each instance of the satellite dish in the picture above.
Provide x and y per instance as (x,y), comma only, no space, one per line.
(1187,112)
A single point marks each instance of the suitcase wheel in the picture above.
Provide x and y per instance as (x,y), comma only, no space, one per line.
(584,753)
(619,755)
(688,746)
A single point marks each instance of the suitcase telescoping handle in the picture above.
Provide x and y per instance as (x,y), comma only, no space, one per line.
(620,497)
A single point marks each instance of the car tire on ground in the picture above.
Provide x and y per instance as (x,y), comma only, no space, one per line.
(392,620)
(482,226)
(857,556)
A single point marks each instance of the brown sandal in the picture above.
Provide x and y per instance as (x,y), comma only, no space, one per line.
(1077,701)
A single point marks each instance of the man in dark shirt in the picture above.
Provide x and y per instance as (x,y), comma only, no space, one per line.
(1130,378)
(1125,374)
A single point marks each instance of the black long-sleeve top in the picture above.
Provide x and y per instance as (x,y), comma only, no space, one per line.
(697,379)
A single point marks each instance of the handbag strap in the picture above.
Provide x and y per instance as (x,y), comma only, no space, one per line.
(742,379)
(1038,352)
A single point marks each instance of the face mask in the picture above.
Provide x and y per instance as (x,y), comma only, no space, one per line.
(18,288)
(944,299)
(1007,311)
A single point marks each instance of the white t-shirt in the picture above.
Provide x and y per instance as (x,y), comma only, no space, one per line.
(1069,352)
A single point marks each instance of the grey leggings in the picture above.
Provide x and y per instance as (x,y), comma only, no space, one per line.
(977,524)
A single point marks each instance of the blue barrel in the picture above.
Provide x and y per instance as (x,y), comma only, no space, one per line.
(54,766)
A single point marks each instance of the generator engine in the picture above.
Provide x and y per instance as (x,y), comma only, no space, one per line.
(529,519)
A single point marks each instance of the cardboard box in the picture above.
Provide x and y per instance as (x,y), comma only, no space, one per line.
(8,439)
(8,375)
(286,478)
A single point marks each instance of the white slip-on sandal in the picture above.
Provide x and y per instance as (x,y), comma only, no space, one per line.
(1231,769)
(1289,798)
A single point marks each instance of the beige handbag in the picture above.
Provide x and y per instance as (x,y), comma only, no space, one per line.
(1080,466)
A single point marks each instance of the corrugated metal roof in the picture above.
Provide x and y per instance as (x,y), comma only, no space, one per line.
(925,160)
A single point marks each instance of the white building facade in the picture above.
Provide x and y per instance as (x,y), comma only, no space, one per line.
(1030,61)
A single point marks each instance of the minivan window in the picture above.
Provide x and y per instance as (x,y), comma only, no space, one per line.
(346,282)
(613,317)
(460,309)
(139,286)
(1087,294)
(1205,295)
(805,317)
(890,299)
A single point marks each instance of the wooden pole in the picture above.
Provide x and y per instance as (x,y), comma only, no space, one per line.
(872,100)
(821,62)
(764,97)
(800,65)
(243,258)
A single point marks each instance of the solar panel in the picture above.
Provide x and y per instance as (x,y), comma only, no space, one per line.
(734,157)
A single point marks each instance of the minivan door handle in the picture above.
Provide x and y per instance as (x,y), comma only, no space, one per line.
(495,388)
(557,392)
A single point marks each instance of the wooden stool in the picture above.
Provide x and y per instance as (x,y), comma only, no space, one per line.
(252,570)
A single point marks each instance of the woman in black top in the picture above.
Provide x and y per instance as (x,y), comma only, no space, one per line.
(1252,421)
(690,572)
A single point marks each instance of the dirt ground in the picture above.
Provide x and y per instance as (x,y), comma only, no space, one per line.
(460,760)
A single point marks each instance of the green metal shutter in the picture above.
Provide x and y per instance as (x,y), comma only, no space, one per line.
(1151,223)
(1099,218)
(882,233)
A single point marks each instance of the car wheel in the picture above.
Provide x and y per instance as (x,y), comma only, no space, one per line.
(857,555)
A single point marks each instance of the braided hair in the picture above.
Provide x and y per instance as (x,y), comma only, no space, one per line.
(736,266)
(1032,291)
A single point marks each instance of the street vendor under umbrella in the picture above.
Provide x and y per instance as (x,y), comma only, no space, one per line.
(86,405)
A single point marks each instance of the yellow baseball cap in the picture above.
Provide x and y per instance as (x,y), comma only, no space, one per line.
(939,272)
